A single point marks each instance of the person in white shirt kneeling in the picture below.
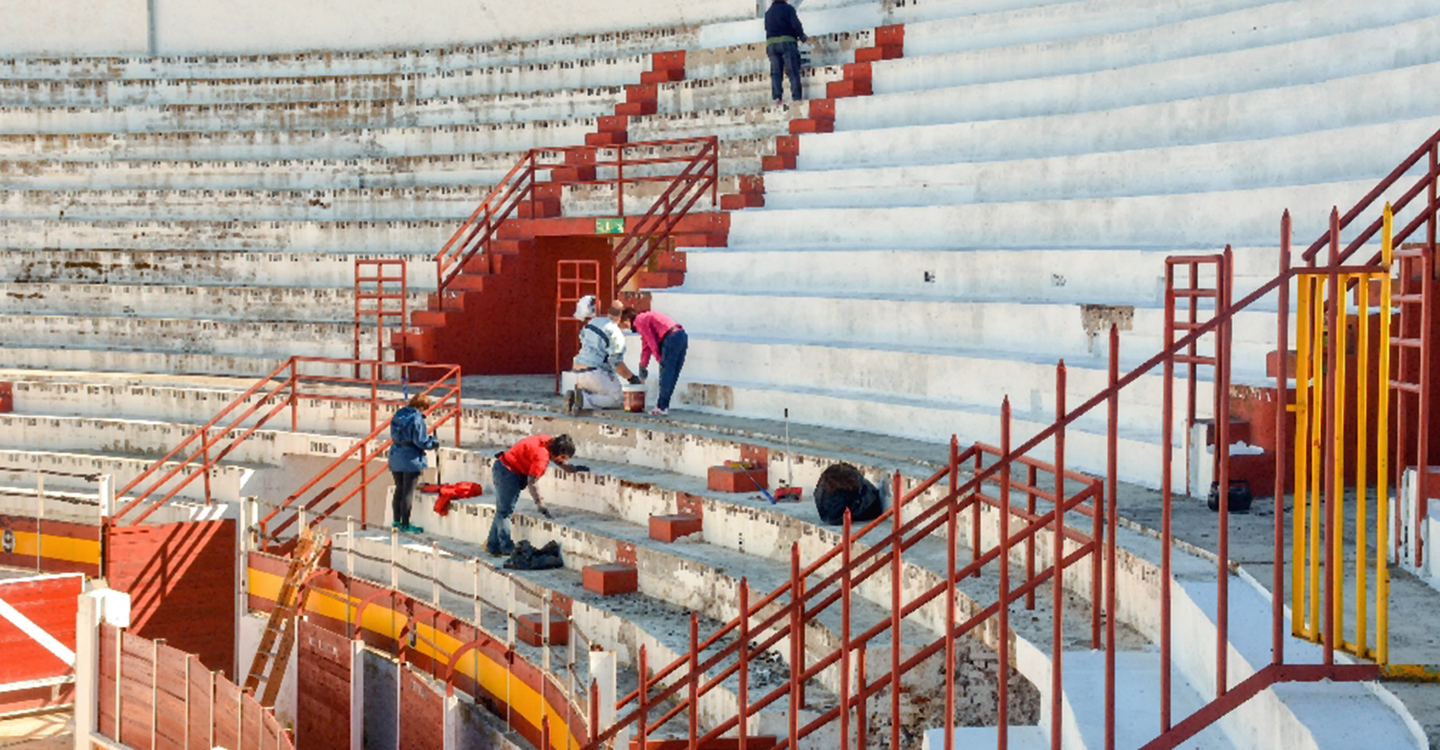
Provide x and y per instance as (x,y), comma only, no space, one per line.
(600,365)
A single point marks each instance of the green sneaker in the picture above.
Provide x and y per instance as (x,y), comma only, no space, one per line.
(412,529)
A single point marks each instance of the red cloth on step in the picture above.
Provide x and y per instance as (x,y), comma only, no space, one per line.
(448,492)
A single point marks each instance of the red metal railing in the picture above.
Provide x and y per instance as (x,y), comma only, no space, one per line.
(208,445)
(445,408)
(475,234)
(786,620)
(699,172)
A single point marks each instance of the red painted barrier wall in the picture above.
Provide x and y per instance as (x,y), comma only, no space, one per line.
(50,603)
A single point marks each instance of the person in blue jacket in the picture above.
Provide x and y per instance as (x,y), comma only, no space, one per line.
(409,441)
(782,29)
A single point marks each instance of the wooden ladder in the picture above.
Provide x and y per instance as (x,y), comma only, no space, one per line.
(268,666)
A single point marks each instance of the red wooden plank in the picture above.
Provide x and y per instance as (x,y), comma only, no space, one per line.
(322,720)
(422,714)
(181,580)
(50,603)
(201,696)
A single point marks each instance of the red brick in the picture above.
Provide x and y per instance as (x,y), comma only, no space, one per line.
(751,183)
(721,743)
(735,479)
(811,126)
(890,35)
(613,123)
(847,89)
(663,76)
(538,209)
(668,60)
(510,246)
(876,54)
(670,260)
(549,190)
(573,174)
(856,71)
(710,239)
(659,279)
(528,629)
(1272,360)
(822,109)
(608,579)
(787,144)
(777,162)
(737,201)
(669,528)
(418,318)
(641,93)
(579,156)
(635,109)
(607,138)
(7,398)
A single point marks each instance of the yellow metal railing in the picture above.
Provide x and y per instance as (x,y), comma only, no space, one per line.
(1325,384)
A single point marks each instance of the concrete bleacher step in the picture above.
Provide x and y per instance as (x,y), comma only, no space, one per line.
(1205,28)
(660,625)
(282,239)
(444,204)
(580,50)
(241,303)
(187,335)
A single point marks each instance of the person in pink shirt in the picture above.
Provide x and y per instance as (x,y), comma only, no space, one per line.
(664,340)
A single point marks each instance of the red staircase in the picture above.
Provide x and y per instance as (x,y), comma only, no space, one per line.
(487,316)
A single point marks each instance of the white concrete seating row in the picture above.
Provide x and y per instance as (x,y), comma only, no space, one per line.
(448,170)
(269,273)
(1298,159)
(1290,63)
(129,92)
(951,328)
(276,339)
(151,361)
(247,302)
(227,482)
(442,204)
(936,56)
(577,50)
(271,144)
(394,112)
(386,238)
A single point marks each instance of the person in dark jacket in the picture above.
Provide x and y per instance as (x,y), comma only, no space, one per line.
(842,487)
(782,30)
(409,441)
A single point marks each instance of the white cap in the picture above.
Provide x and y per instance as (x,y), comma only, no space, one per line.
(585,307)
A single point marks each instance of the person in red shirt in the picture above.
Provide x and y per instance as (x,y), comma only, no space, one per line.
(664,340)
(521,467)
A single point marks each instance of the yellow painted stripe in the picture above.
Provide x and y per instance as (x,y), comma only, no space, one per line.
(493,676)
(53,547)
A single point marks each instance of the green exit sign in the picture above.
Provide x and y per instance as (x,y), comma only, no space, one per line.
(610,226)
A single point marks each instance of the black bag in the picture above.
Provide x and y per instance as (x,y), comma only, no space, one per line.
(842,487)
(1239,496)
(526,557)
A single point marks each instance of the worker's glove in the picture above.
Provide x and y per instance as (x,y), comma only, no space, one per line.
(635,380)
(544,511)
(578,467)
(644,373)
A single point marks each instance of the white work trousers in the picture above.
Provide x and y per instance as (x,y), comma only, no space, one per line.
(599,389)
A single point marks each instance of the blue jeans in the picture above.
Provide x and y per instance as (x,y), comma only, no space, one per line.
(672,358)
(507,491)
(404,489)
(784,58)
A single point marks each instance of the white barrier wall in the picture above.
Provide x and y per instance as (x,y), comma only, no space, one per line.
(180,27)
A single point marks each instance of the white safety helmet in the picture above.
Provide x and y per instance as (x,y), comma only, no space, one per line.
(585,307)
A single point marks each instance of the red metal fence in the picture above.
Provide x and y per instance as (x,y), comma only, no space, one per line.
(287,387)
(37,638)
(781,613)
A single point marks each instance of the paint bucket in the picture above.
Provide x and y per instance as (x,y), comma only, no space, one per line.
(634,397)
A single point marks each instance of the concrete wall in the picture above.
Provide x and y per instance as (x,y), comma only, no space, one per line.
(125,27)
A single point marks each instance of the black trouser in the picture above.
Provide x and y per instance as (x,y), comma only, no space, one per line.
(405,482)
(784,57)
